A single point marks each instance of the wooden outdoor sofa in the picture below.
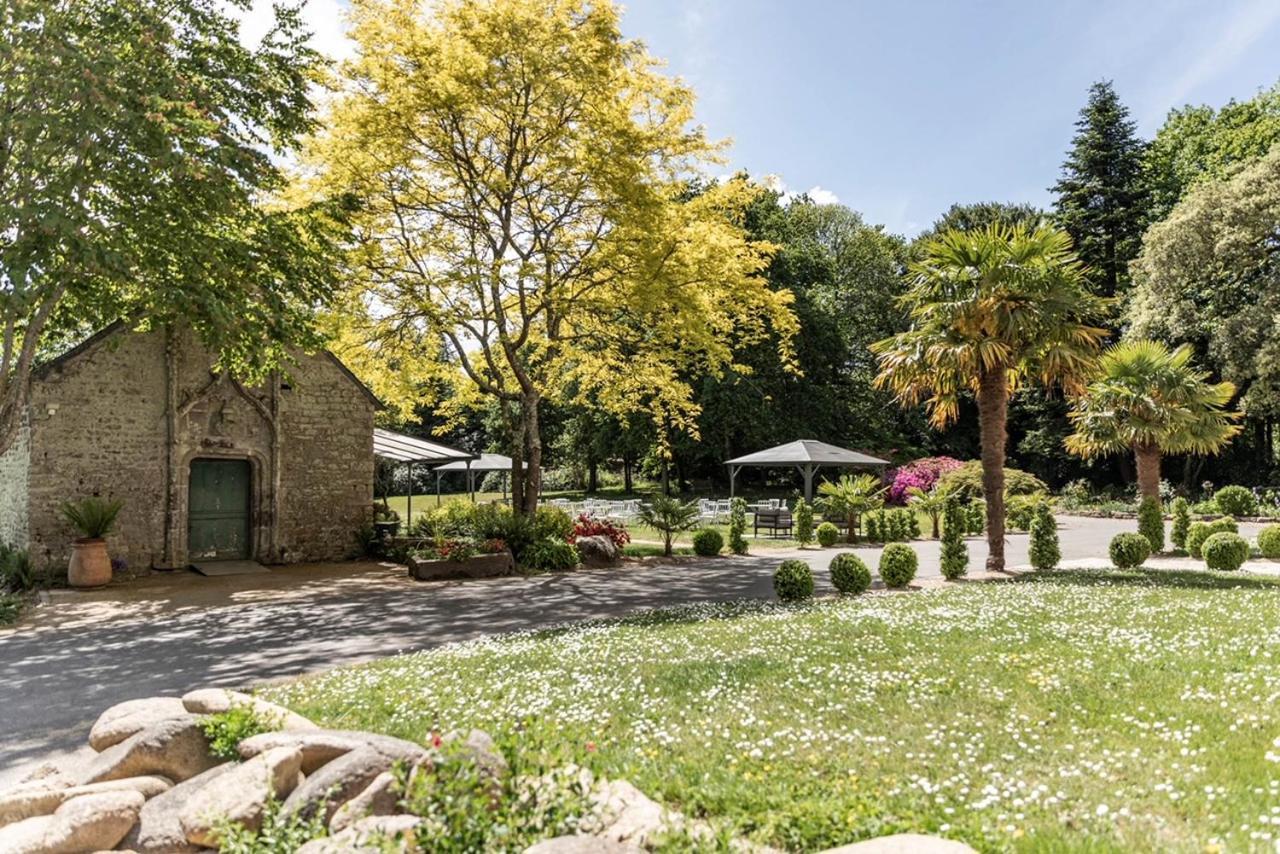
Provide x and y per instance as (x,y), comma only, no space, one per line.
(774,521)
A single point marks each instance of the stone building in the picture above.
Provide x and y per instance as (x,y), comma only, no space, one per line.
(206,467)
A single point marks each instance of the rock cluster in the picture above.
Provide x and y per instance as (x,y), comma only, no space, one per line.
(154,788)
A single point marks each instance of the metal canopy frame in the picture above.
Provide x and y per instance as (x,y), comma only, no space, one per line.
(804,455)
(410,450)
(484,463)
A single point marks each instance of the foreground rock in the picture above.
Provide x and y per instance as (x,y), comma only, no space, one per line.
(376,835)
(36,799)
(94,822)
(343,779)
(176,749)
(904,843)
(240,795)
(214,701)
(598,551)
(582,845)
(129,718)
(159,829)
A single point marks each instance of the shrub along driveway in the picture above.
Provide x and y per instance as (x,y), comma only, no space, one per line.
(169,634)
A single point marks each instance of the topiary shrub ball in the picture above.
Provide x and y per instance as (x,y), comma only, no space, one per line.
(793,581)
(827,535)
(1269,541)
(1201,531)
(898,564)
(1235,501)
(707,542)
(1129,550)
(1225,551)
(849,574)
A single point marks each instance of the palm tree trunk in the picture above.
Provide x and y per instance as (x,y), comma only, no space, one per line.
(993,406)
(1148,459)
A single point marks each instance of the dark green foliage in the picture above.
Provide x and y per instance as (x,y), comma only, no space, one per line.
(1181,509)
(1128,550)
(966,482)
(738,526)
(17,574)
(849,574)
(1225,551)
(955,554)
(1201,531)
(827,535)
(793,581)
(976,517)
(871,525)
(1151,522)
(10,608)
(803,522)
(1045,553)
(898,565)
(1021,509)
(1269,541)
(913,525)
(93,517)
(1102,196)
(979,215)
(225,730)
(1235,501)
(707,542)
(549,556)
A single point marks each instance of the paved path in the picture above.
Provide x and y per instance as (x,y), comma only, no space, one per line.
(169,634)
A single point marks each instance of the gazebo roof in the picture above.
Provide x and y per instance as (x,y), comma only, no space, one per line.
(409,449)
(807,451)
(485,462)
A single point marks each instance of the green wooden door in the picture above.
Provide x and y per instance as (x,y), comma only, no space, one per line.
(218,510)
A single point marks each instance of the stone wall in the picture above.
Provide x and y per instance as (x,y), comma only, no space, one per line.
(14,465)
(103,421)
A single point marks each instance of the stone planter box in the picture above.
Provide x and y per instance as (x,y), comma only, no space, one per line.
(480,566)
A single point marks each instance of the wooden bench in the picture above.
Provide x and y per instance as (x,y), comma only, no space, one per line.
(774,521)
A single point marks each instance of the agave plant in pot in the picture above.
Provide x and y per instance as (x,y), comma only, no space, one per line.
(94,518)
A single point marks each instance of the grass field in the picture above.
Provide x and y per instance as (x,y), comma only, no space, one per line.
(1082,712)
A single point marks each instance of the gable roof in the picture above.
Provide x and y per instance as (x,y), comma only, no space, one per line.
(805,451)
(47,367)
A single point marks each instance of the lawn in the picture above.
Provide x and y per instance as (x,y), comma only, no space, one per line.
(1099,712)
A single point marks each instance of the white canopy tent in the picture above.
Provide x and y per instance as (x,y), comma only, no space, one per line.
(484,463)
(410,450)
(806,455)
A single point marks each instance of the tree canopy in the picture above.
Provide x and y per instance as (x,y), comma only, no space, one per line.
(136,154)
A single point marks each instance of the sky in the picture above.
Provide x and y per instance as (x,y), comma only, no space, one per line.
(899,108)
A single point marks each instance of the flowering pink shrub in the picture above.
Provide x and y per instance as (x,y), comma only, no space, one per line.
(922,473)
(590,526)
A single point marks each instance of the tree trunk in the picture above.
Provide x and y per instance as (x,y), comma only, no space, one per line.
(1148,460)
(993,405)
(593,476)
(626,475)
(527,503)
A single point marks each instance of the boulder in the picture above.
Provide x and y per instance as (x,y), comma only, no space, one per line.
(370,836)
(240,795)
(125,719)
(34,799)
(379,798)
(344,778)
(159,828)
(94,822)
(174,748)
(598,551)
(213,701)
(582,845)
(628,814)
(318,746)
(476,746)
(904,843)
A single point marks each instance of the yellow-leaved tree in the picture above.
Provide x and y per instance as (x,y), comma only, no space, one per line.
(532,215)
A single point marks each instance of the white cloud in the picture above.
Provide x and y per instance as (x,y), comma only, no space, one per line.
(822,197)
(326,19)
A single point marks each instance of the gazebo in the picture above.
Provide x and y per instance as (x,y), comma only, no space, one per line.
(410,450)
(485,463)
(806,455)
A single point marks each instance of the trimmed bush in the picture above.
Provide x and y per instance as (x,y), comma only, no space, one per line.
(707,542)
(955,554)
(898,564)
(874,526)
(913,524)
(1020,510)
(1044,550)
(738,526)
(1235,501)
(1181,510)
(1269,541)
(549,556)
(849,574)
(1129,550)
(966,481)
(1151,522)
(803,515)
(1201,531)
(976,516)
(827,535)
(1225,551)
(793,581)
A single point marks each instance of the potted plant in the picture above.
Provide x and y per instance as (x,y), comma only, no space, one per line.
(94,518)
(386,522)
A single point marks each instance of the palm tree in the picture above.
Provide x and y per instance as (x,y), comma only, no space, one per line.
(1151,401)
(992,309)
(852,497)
(669,516)
(930,502)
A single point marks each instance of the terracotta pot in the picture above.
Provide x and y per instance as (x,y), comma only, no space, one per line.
(90,564)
